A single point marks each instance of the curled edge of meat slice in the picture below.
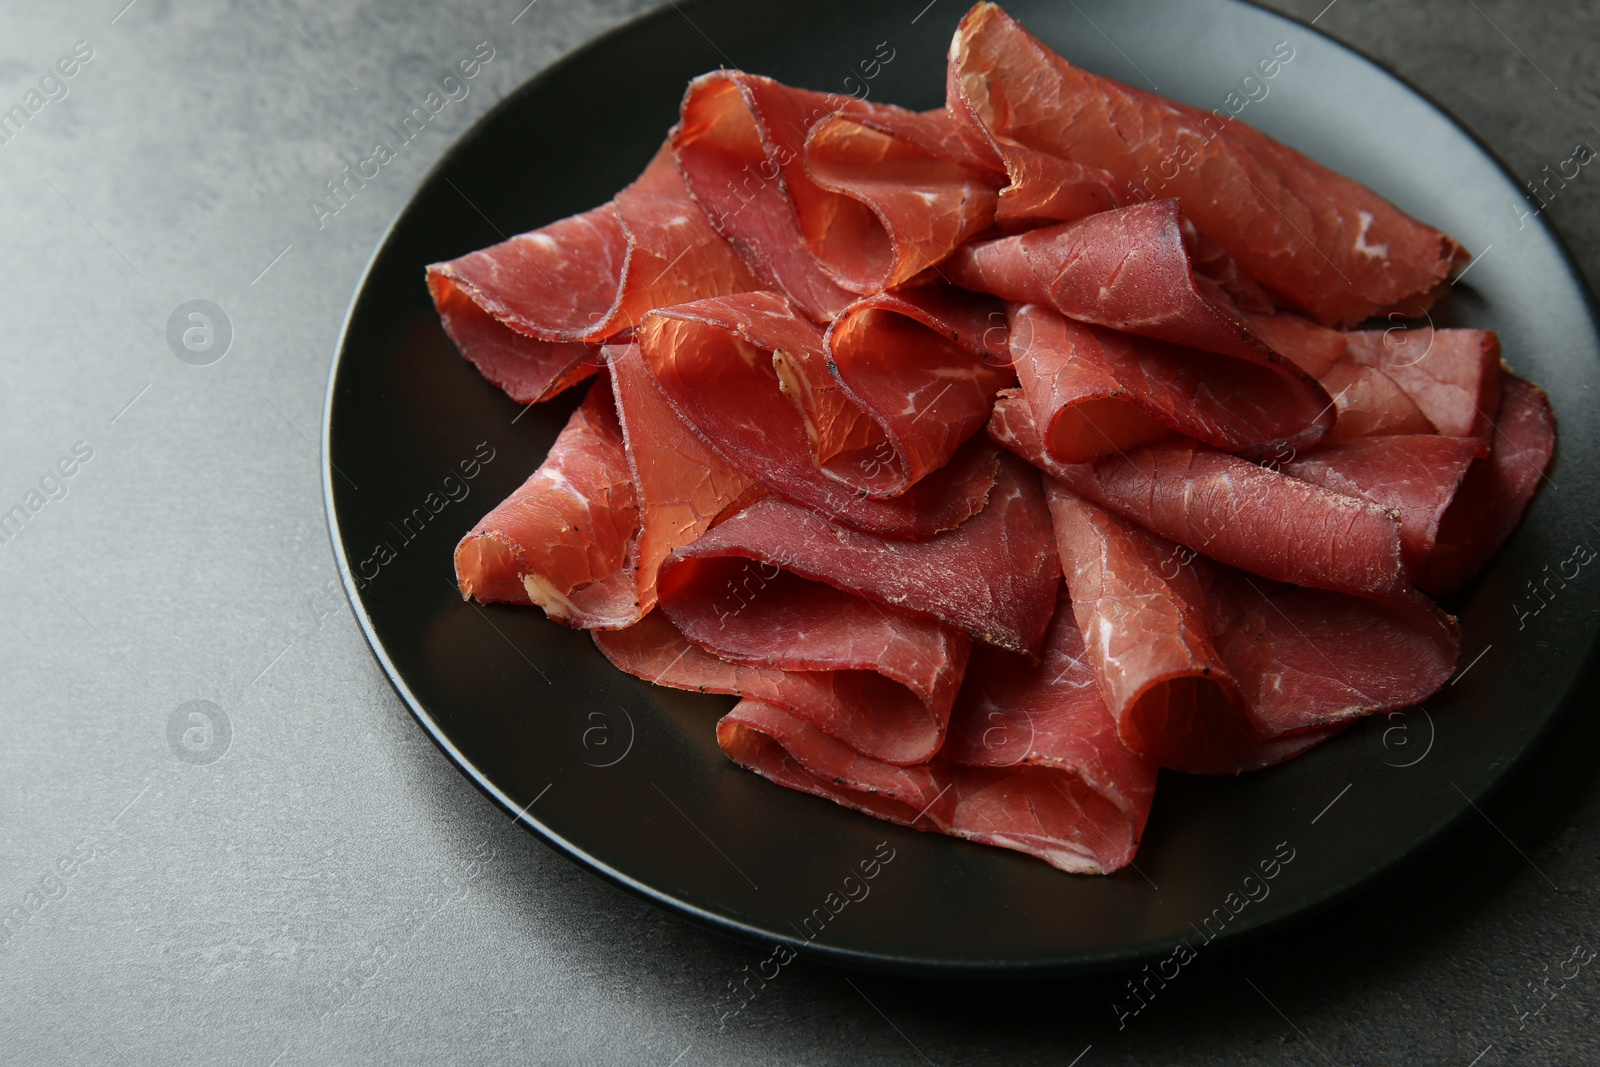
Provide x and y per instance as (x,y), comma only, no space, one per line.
(1032,763)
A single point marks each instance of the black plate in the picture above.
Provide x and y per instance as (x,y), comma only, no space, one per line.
(627,779)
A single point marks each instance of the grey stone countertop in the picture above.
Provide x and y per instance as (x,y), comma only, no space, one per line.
(271,893)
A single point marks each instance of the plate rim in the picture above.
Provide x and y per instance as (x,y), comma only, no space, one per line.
(1318,900)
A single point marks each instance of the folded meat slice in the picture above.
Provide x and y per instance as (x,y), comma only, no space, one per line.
(993,577)
(1319,241)
(525,368)
(680,486)
(1130,270)
(519,309)
(1370,404)
(923,364)
(1032,763)
(860,705)
(718,363)
(1095,391)
(1235,511)
(563,539)
(893,193)
(1454,376)
(1209,670)
(1414,475)
(1496,490)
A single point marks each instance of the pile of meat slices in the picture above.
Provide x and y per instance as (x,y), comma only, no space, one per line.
(989,466)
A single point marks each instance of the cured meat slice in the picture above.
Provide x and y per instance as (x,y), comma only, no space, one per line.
(1246,515)
(1208,670)
(1414,475)
(582,279)
(1130,270)
(526,369)
(905,194)
(740,145)
(1319,241)
(1496,490)
(1370,404)
(1454,376)
(860,707)
(1096,391)
(754,612)
(680,486)
(714,361)
(562,540)
(923,364)
(994,577)
(1032,763)
(1313,348)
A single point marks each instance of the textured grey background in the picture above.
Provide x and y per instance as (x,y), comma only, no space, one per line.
(314,882)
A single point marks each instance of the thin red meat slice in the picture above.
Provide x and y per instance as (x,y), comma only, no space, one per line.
(1319,241)
(528,370)
(1246,515)
(714,361)
(1032,763)
(993,577)
(1096,391)
(1370,404)
(754,612)
(1313,348)
(923,364)
(1130,270)
(1209,670)
(1414,475)
(562,540)
(1454,376)
(582,279)
(740,144)
(906,193)
(680,486)
(1496,490)
(862,707)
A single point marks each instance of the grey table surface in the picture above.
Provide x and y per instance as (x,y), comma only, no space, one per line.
(302,877)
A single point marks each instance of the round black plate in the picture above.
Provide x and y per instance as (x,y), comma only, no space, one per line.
(627,778)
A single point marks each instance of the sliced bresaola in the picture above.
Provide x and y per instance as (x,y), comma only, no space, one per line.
(680,486)
(1210,670)
(582,279)
(1235,511)
(1414,475)
(1130,270)
(715,362)
(1369,403)
(1496,490)
(525,368)
(562,540)
(1454,376)
(859,705)
(1032,763)
(1095,391)
(1319,241)
(923,364)
(898,193)
(739,143)
(994,577)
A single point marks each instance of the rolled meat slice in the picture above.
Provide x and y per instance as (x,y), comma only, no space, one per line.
(1032,763)
(563,539)
(725,364)
(523,311)
(1319,241)
(895,713)
(1210,670)
(923,364)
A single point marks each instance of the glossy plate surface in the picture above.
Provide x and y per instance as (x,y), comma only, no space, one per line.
(627,778)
